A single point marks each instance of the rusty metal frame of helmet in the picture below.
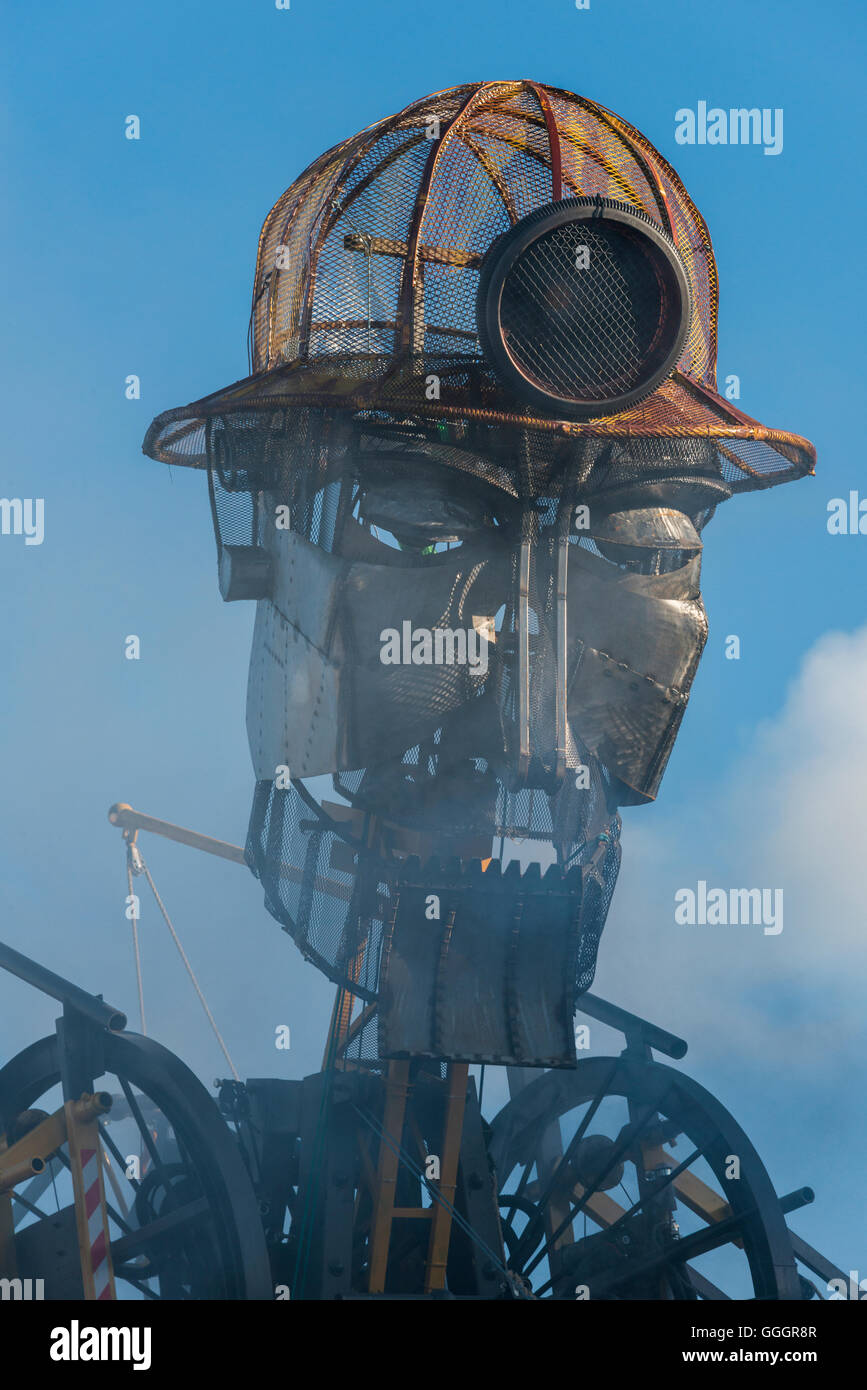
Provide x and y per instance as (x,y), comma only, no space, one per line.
(367,276)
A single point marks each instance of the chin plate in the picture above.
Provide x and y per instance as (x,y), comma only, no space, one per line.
(491,978)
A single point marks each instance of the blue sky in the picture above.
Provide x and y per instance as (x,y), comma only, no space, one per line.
(137,257)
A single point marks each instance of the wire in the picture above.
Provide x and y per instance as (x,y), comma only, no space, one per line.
(131,901)
(204,1003)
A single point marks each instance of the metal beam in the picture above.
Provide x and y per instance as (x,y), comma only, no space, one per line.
(433,255)
(92,1006)
(816,1262)
(396,1088)
(123,815)
(441,1222)
(126,818)
(631,1026)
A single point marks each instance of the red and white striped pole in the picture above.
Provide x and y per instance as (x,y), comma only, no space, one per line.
(85,1157)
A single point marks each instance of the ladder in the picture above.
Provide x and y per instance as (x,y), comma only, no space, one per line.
(439,1214)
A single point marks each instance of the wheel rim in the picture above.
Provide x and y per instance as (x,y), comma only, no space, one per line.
(212,1244)
(656,1260)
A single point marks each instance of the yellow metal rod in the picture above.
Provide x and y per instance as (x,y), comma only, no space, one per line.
(123,815)
(91,1107)
(39,1142)
(396,1089)
(22,1172)
(441,1219)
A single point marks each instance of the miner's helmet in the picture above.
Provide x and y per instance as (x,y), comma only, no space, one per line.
(504,270)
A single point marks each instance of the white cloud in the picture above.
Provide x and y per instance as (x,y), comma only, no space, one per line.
(791,814)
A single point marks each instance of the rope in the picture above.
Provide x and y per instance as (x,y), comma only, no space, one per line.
(131,900)
(147,873)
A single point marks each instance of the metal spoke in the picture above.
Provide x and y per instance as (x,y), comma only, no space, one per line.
(628,1137)
(524,1248)
(515,1204)
(675,1173)
(700,1243)
(519,1191)
(148,1140)
(116,1154)
(188,1245)
(29,1206)
(116,1217)
(192,1213)
(659,1187)
(54,1184)
(137,1284)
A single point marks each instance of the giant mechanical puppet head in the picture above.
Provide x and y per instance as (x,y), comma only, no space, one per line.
(466,483)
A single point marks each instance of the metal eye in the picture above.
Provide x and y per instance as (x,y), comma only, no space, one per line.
(652,540)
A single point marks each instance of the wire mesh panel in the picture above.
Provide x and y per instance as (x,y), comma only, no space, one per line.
(336,906)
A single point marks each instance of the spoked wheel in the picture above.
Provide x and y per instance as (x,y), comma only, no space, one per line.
(620,1216)
(184,1223)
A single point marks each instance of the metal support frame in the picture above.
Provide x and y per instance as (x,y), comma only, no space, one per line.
(441,1221)
(80,1032)
(476,1199)
(466,1182)
(548,1158)
(325,1268)
(75,1124)
(727,1223)
(397,1088)
(397,1095)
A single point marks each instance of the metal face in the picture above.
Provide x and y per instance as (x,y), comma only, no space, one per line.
(524,645)
(506,652)
(321,696)
(448,362)
(639,639)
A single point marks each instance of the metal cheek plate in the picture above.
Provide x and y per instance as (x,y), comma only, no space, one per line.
(635,641)
(319,697)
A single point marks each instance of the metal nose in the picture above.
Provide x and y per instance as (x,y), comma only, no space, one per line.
(533,767)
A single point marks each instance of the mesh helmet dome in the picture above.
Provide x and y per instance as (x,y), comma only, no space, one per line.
(367,277)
